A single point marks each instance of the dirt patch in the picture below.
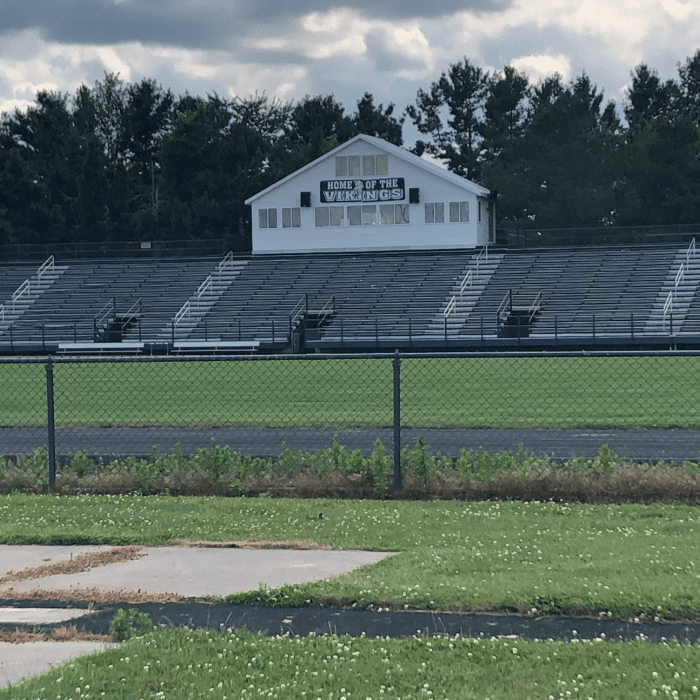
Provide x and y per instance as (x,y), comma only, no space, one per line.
(93,595)
(76,565)
(254,544)
(57,634)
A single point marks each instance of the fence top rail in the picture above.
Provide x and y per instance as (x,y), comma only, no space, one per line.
(524,355)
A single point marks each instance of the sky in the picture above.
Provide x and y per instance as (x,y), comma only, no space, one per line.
(288,49)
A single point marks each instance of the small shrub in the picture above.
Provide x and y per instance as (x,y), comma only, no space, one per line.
(379,466)
(130,623)
(290,462)
(80,464)
(216,463)
(142,472)
(606,459)
(420,462)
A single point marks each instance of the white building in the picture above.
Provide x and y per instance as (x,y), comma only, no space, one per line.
(368,194)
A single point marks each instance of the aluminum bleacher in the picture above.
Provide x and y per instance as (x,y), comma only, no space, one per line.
(534,298)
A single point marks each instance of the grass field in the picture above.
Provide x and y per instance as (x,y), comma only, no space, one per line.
(629,561)
(184,664)
(499,392)
(626,560)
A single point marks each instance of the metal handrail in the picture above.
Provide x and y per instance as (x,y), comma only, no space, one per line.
(506,304)
(133,312)
(104,312)
(451,306)
(327,309)
(485,254)
(184,311)
(20,292)
(226,262)
(48,265)
(535,307)
(299,311)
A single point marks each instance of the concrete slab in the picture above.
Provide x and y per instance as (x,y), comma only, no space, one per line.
(39,616)
(196,572)
(186,571)
(20,557)
(20,661)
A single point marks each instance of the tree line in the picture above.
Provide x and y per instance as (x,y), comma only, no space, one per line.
(133,161)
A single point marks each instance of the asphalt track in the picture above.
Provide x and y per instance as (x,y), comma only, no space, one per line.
(371,623)
(649,445)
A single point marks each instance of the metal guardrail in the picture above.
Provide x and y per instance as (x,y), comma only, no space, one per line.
(301,308)
(207,287)
(679,279)
(467,281)
(535,307)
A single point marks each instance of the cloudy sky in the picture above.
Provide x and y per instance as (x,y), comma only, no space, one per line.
(291,48)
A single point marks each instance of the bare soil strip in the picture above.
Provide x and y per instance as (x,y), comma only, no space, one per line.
(76,565)
(255,544)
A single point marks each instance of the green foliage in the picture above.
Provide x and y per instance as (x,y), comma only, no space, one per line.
(606,459)
(79,464)
(142,471)
(130,623)
(216,463)
(379,466)
(420,461)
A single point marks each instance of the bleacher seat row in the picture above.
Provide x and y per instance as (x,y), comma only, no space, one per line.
(387,300)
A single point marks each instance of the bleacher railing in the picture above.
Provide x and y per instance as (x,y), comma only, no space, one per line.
(467,281)
(679,280)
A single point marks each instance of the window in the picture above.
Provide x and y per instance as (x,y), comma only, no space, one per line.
(459,212)
(349,166)
(291,217)
(369,214)
(267,218)
(355,215)
(329,216)
(337,214)
(386,213)
(322,216)
(394,213)
(435,213)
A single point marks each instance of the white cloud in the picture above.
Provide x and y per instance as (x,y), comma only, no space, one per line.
(539,67)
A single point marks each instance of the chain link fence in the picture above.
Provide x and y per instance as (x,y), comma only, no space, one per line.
(63,416)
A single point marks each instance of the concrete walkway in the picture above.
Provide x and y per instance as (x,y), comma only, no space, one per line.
(189,572)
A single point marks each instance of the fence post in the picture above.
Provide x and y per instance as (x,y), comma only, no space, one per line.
(396,363)
(50,421)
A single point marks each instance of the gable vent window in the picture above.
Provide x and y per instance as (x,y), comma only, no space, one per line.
(349,166)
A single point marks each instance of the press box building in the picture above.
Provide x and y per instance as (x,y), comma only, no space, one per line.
(367,195)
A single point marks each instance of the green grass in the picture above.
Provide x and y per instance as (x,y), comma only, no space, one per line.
(621,561)
(624,560)
(178,663)
(535,392)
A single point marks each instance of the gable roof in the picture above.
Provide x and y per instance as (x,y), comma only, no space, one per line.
(390,148)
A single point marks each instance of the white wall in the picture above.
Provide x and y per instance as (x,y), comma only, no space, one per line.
(414,235)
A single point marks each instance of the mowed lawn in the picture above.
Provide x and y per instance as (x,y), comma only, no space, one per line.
(542,558)
(537,558)
(499,392)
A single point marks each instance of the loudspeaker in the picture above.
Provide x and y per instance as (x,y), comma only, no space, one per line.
(306,199)
(414,195)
